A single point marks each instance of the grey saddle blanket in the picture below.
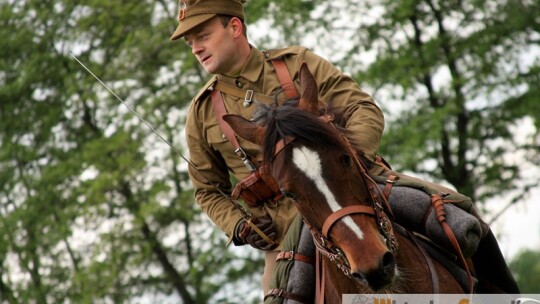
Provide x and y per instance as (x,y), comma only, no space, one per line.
(410,206)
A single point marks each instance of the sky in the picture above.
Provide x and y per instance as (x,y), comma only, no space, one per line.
(519,226)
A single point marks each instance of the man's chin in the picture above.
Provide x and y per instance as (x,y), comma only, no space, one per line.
(209,69)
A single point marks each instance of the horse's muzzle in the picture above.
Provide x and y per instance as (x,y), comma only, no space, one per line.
(381,277)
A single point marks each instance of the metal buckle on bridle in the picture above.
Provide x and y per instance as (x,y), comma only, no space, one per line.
(384,224)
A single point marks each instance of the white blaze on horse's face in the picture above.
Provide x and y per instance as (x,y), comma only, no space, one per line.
(309,162)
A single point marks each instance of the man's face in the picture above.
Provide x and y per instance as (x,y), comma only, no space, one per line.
(214,46)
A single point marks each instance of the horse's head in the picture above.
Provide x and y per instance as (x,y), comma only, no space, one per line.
(315,166)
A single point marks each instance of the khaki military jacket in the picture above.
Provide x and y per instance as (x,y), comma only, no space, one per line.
(214,156)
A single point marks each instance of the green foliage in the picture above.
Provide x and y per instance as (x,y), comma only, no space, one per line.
(95,208)
(526,269)
(464,87)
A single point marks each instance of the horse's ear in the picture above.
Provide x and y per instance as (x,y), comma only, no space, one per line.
(245,128)
(309,97)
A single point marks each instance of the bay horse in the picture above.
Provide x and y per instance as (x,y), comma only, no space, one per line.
(316,167)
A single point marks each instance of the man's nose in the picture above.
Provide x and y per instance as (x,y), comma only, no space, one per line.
(196,48)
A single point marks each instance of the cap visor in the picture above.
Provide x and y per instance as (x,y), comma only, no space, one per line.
(189,23)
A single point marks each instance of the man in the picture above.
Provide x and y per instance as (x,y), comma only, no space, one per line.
(216,32)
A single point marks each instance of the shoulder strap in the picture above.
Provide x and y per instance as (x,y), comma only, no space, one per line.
(219,109)
(284,78)
(248,95)
(219,105)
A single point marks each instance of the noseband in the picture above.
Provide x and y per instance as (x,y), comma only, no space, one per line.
(375,208)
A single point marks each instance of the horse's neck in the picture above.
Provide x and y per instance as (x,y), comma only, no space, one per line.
(413,265)
(332,293)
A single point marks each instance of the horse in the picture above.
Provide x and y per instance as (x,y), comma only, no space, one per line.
(361,250)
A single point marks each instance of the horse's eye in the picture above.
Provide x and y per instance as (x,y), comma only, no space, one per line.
(346,160)
(289,195)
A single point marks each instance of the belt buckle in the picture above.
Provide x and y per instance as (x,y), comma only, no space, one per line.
(291,257)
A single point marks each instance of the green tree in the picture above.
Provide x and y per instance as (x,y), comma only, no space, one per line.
(466,121)
(93,206)
(526,267)
(457,81)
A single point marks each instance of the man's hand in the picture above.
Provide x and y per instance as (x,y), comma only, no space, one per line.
(248,235)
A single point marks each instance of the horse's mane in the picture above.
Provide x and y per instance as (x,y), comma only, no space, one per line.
(288,120)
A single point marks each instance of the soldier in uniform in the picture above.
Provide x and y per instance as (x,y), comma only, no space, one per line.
(216,32)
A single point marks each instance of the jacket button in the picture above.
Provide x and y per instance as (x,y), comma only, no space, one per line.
(239,84)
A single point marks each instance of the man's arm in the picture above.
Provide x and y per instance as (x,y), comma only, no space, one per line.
(211,172)
(364,119)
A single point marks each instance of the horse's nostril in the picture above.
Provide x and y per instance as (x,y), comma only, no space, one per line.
(388,263)
(359,276)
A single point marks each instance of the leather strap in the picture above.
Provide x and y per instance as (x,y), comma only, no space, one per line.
(281,293)
(219,108)
(320,273)
(438,205)
(334,217)
(291,255)
(285,78)
(390,181)
(219,105)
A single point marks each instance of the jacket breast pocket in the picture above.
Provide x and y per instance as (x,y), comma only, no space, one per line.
(217,139)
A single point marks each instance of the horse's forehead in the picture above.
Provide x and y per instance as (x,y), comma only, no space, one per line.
(309,162)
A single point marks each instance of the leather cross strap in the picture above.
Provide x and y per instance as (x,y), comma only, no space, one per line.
(437,202)
(281,293)
(285,78)
(219,105)
(390,181)
(291,255)
(219,108)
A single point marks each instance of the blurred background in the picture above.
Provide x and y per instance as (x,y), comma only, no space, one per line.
(94,208)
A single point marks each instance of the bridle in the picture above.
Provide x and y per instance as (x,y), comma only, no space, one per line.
(376,208)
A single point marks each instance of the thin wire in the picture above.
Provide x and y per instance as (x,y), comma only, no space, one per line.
(246,212)
(127,106)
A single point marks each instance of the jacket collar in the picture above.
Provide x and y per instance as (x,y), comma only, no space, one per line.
(252,67)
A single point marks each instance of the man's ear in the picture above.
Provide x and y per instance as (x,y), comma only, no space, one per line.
(237,27)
